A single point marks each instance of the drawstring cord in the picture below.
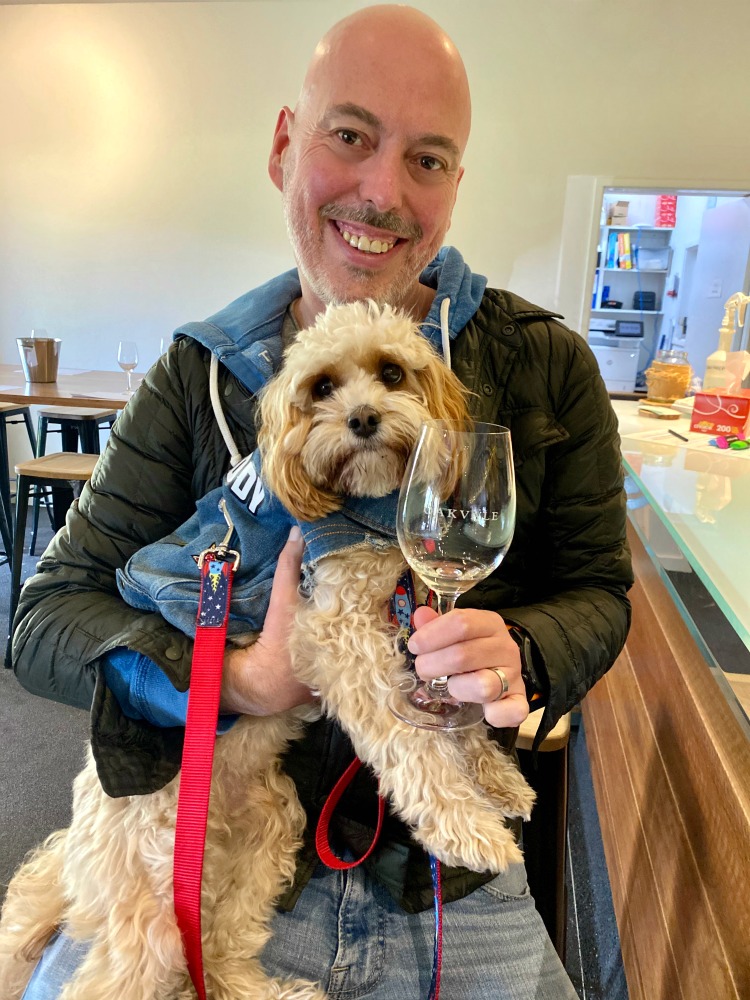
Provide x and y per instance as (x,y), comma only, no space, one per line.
(213,389)
(445,333)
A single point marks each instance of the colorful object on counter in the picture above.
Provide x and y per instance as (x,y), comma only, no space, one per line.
(735,441)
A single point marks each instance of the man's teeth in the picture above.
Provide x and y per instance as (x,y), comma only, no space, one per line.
(366,244)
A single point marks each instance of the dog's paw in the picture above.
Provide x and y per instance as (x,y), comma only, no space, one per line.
(510,791)
(499,777)
(479,841)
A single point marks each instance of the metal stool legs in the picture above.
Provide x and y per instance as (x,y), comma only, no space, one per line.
(10,414)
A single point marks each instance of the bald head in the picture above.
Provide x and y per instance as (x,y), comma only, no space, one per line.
(391,49)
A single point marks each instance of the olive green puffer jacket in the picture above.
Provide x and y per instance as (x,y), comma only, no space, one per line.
(564,580)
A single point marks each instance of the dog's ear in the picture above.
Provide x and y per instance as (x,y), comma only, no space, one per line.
(281,437)
(446,399)
(445,395)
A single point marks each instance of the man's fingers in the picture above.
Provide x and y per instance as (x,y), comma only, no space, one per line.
(285,590)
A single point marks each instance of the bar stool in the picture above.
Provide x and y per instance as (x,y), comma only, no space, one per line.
(545,835)
(74,426)
(10,413)
(61,467)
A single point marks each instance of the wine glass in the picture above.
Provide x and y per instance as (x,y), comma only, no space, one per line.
(127,358)
(455,521)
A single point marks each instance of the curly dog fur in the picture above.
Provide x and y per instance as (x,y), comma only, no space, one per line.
(108,877)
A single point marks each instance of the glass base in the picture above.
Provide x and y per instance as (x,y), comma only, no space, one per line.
(421,707)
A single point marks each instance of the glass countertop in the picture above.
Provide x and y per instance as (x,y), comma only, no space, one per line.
(702,497)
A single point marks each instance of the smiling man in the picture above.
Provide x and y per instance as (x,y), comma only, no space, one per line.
(369,165)
(369,162)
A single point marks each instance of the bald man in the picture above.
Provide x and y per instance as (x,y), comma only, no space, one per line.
(369,164)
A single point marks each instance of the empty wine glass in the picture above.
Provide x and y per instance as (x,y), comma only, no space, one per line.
(127,358)
(455,521)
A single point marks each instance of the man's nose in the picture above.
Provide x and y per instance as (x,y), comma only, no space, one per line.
(383,181)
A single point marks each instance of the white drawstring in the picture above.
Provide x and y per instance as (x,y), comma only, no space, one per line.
(213,388)
(444,331)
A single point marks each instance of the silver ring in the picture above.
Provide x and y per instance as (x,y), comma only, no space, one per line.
(503,681)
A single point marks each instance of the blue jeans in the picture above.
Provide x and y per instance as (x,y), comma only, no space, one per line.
(347,934)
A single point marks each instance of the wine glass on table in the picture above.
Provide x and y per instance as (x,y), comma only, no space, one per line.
(455,521)
(127,358)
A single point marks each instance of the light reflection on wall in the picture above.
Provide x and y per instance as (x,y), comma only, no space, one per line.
(74,122)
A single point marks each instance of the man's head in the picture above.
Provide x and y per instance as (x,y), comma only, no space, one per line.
(369,161)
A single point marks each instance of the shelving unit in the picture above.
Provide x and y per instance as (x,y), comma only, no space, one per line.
(621,361)
(623,282)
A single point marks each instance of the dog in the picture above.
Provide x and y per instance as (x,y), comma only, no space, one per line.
(339,419)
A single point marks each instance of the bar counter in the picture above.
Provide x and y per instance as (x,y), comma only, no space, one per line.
(668,739)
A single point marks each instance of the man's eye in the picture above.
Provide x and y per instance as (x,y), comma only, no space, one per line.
(431,163)
(391,374)
(323,387)
(349,137)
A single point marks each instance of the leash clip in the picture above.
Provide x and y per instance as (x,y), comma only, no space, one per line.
(222,551)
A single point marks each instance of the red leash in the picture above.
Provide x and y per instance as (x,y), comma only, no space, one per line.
(217,566)
(322,842)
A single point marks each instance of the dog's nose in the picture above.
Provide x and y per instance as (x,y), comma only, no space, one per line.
(364,421)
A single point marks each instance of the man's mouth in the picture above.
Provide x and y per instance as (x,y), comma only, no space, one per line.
(364,243)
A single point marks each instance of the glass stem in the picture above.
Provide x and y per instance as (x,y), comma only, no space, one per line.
(439,685)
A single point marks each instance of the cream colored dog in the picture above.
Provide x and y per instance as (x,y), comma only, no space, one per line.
(108,877)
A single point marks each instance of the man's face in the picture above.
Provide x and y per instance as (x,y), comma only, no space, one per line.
(369,166)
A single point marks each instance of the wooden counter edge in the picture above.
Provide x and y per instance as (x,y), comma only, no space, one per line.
(670,765)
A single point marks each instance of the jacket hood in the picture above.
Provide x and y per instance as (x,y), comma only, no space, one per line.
(246,335)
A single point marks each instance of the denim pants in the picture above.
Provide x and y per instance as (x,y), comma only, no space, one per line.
(347,934)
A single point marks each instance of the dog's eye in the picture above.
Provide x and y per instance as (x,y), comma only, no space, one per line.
(323,387)
(391,374)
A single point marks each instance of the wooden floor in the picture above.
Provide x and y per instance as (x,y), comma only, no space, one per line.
(671,770)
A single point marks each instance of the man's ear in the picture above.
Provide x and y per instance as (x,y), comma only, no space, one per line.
(279,147)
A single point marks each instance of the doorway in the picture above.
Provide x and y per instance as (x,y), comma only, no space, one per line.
(681,270)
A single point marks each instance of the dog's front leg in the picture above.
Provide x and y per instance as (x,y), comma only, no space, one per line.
(342,645)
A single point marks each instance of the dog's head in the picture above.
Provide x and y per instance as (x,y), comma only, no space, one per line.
(343,414)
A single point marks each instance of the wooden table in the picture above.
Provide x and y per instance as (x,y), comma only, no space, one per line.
(74,387)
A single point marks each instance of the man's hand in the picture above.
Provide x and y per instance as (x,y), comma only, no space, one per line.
(258,680)
(466,645)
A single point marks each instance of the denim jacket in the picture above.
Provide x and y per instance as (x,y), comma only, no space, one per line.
(164,576)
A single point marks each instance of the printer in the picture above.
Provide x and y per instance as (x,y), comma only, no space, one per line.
(616,344)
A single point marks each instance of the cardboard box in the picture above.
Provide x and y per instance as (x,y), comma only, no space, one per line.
(618,213)
(719,411)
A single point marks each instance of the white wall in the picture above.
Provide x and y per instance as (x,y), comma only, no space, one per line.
(133,186)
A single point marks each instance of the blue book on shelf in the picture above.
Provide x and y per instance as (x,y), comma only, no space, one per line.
(612,250)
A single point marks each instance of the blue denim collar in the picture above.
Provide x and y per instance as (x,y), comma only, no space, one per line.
(246,334)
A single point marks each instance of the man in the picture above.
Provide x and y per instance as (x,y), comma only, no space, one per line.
(369,165)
